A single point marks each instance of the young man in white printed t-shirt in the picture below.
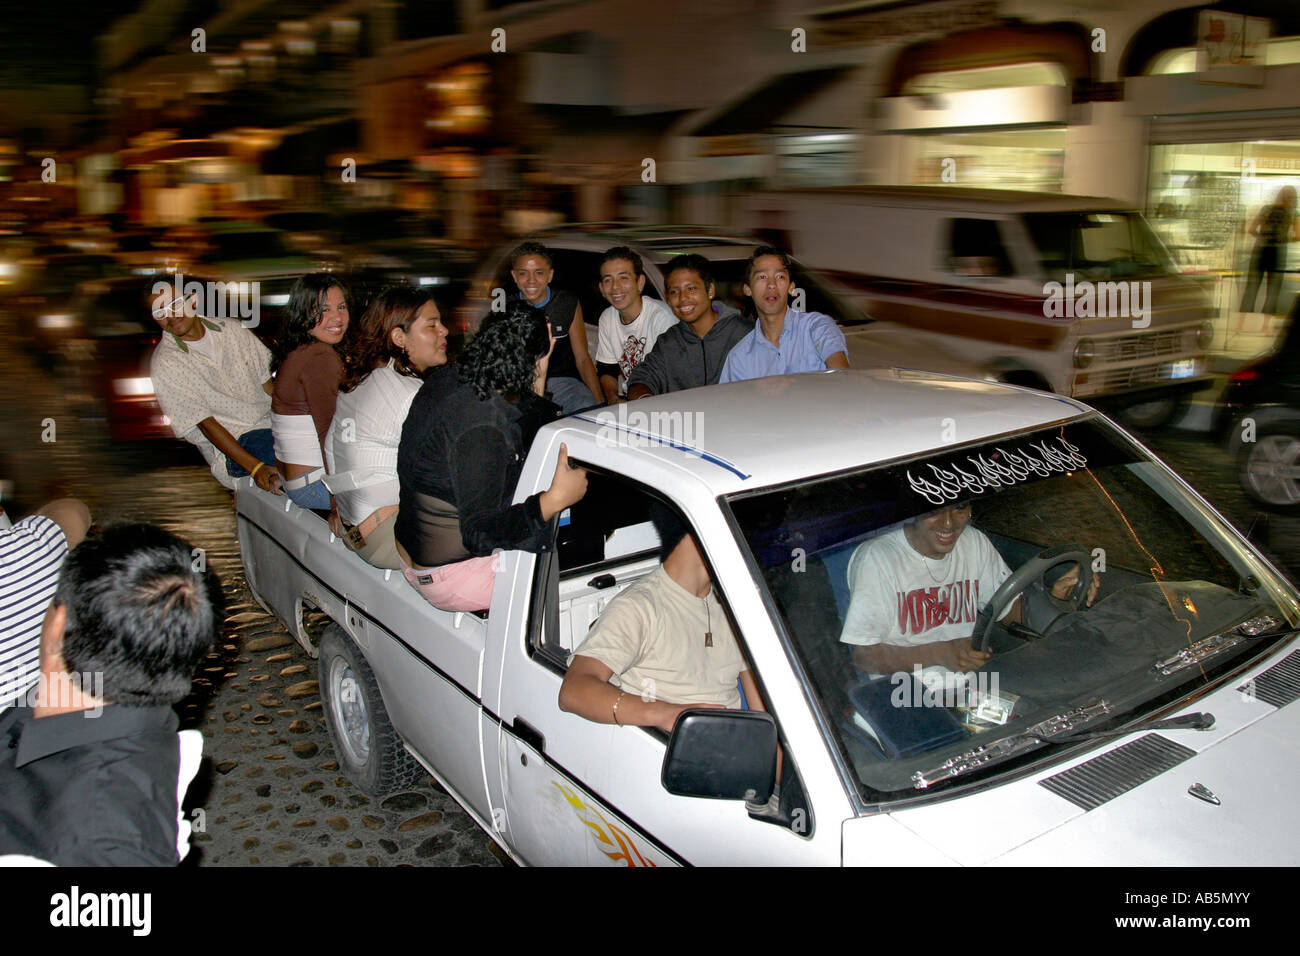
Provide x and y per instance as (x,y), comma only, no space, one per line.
(915,593)
(630,326)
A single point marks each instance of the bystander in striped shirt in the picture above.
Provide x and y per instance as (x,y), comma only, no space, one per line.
(31,553)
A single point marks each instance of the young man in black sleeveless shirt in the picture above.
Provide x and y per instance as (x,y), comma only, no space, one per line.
(572,382)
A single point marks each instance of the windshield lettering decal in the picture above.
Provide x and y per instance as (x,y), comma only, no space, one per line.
(1041,459)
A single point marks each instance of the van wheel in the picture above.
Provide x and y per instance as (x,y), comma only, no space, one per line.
(1157,414)
(369,749)
(1024,378)
(1269,469)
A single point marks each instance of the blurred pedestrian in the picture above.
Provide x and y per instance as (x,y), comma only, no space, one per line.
(1274,226)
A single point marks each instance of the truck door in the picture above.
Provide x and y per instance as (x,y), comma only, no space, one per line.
(571,791)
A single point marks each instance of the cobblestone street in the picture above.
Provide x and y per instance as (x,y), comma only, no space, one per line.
(270,791)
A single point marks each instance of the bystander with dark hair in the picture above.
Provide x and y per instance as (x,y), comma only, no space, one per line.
(90,774)
(31,554)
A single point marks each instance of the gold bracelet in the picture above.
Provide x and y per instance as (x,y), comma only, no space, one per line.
(618,700)
(256,468)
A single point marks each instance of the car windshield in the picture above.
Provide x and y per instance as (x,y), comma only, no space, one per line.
(1097,245)
(818,296)
(902,557)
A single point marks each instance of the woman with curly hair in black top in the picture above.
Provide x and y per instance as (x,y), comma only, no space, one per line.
(308,371)
(463,446)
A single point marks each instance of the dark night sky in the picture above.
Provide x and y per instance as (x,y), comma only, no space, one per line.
(53,41)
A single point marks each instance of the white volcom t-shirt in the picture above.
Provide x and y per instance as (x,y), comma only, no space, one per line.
(899,596)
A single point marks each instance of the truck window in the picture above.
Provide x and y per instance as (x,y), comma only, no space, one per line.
(975,248)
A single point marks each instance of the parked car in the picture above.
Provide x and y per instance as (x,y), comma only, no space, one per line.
(1258,418)
(1151,728)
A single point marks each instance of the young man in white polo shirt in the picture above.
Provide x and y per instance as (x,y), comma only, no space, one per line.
(631,324)
(213,382)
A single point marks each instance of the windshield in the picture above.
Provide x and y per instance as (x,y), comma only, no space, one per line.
(1097,245)
(879,578)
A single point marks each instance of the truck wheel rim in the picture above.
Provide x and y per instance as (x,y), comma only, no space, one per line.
(350,713)
(1274,471)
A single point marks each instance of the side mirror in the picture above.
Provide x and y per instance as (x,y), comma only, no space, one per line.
(723,754)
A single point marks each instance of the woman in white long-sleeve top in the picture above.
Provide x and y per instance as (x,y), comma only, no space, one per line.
(401,337)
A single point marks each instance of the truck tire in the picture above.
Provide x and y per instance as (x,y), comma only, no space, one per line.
(370,751)
(1269,468)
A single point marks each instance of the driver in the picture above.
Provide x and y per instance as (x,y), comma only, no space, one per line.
(915,593)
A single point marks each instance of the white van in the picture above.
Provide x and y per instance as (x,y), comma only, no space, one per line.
(1067,293)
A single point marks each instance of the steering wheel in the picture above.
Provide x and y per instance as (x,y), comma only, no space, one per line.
(1024,576)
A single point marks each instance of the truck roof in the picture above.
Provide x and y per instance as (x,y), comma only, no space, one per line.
(955,197)
(767,431)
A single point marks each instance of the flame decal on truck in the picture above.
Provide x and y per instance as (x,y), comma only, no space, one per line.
(613,841)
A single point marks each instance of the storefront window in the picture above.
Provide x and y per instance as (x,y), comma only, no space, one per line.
(1030,95)
(1003,159)
(1202,200)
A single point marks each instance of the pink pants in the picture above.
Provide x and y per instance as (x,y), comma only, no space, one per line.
(462,586)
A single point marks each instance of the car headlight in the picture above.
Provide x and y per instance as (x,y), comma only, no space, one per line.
(8,270)
(133,386)
(1084,353)
(432,280)
(1204,336)
(55,321)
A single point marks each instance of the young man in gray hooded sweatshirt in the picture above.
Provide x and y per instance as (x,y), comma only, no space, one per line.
(692,352)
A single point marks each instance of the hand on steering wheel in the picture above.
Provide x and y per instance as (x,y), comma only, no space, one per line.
(1024,576)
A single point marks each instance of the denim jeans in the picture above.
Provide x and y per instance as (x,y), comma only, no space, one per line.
(570,394)
(260,444)
(315,496)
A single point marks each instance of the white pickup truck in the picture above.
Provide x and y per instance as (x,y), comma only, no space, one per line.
(1076,743)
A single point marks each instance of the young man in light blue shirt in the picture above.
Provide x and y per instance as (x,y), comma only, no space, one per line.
(784,339)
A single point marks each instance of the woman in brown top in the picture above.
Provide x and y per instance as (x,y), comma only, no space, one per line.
(308,372)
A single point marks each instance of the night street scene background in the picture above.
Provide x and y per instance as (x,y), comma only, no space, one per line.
(410,141)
